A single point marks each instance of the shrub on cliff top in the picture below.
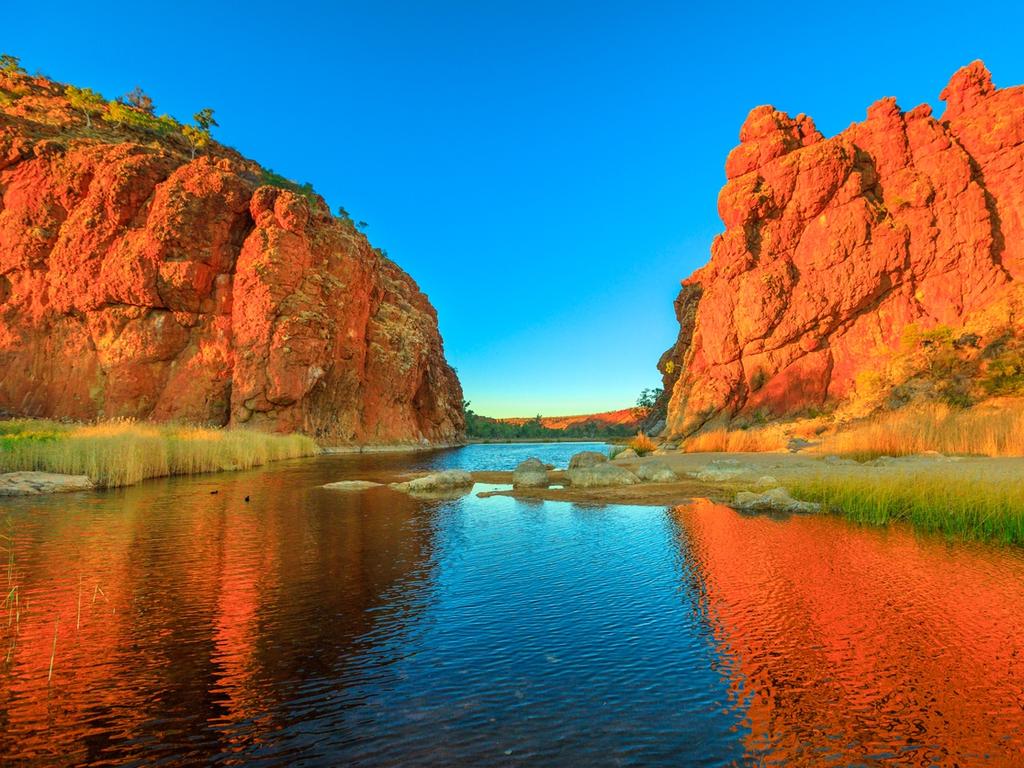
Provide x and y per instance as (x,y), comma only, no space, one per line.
(128,116)
(138,99)
(10,65)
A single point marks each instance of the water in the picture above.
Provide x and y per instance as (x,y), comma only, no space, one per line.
(312,627)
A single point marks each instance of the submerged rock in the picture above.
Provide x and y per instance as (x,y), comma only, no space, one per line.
(33,483)
(352,485)
(777,499)
(655,472)
(532,473)
(587,459)
(449,480)
(600,475)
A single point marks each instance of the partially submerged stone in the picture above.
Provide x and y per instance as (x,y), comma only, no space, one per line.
(776,500)
(532,473)
(655,472)
(352,485)
(600,475)
(33,483)
(587,459)
(448,480)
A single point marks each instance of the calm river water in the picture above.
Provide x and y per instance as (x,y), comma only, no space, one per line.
(311,627)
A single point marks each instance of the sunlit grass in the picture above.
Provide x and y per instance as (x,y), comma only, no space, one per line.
(971,507)
(642,444)
(978,431)
(121,453)
(734,441)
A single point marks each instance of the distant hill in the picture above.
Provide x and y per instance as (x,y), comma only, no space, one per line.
(625,417)
(619,423)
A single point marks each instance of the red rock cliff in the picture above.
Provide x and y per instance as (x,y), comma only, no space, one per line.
(833,247)
(137,283)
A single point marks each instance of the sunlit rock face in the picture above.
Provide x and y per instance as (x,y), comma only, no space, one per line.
(833,247)
(135,282)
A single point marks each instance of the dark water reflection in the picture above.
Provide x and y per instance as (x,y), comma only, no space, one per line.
(321,628)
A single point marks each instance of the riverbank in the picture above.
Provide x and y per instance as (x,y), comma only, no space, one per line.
(968,497)
(119,453)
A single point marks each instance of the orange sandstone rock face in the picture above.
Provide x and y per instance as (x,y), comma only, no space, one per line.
(135,283)
(833,247)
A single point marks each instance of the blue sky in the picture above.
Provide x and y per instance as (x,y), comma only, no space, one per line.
(547,172)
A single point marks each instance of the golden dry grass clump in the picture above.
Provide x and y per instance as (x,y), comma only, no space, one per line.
(119,453)
(735,441)
(984,431)
(642,444)
(993,429)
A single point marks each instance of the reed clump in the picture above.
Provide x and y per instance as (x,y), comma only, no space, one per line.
(964,507)
(984,431)
(119,453)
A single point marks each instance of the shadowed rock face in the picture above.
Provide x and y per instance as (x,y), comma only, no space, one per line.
(834,246)
(135,283)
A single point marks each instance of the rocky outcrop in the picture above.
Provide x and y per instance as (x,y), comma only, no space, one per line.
(835,247)
(137,283)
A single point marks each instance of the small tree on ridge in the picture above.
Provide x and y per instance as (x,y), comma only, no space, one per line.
(86,101)
(198,135)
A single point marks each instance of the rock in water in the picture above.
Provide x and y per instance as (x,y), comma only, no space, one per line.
(600,475)
(32,483)
(532,473)
(136,283)
(834,247)
(777,500)
(586,459)
(449,480)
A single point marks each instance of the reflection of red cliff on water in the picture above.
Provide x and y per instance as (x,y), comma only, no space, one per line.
(848,646)
(194,613)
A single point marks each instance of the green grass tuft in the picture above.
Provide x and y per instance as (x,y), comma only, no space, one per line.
(968,508)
